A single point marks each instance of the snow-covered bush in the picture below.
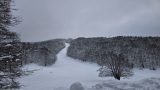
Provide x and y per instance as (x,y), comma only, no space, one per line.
(76,86)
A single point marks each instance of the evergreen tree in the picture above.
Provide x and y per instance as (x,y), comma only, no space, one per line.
(10,48)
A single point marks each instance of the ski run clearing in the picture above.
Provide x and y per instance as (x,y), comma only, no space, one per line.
(67,71)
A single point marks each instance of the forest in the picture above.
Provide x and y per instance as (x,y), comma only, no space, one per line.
(117,53)
(141,52)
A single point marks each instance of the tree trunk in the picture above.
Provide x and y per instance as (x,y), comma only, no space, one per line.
(116,76)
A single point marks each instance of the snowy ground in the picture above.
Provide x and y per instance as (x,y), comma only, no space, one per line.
(66,71)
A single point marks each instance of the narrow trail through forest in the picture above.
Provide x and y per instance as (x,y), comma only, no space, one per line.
(63,73)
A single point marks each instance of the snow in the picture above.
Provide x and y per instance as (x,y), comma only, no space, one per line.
(3,57)
(8,45)
(63,73)
(67,71)
(145,84)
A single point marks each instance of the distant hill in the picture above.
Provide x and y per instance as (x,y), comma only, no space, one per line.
(143,52)
(42,53)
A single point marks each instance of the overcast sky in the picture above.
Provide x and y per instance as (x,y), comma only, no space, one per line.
(49,19)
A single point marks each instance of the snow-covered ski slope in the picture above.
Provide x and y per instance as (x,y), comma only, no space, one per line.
(66,71)
(62,74)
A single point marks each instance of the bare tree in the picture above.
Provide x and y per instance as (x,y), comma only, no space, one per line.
(116,65)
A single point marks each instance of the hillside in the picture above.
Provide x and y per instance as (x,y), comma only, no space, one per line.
(43,53)
(143,52)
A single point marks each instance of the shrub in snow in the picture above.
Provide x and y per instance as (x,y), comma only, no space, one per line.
(76,86)
(116,66)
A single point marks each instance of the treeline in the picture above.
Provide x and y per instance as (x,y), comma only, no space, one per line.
(42,53)
(141,52)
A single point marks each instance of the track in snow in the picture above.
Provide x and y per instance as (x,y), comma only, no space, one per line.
(63,73)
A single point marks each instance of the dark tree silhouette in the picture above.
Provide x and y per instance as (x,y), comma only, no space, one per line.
(10,49)
(45,53)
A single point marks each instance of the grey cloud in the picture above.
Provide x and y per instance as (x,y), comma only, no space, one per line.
(48,19)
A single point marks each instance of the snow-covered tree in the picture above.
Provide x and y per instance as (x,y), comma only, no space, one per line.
(7,19)
(10,49)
